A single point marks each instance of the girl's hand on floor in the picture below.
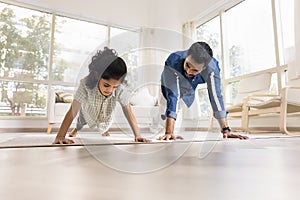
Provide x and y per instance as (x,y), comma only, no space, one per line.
(105,134)
(140,139)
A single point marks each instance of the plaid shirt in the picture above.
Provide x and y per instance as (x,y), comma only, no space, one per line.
(96,108)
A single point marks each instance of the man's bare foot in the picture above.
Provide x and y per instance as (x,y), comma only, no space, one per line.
(105,133)
(73,133)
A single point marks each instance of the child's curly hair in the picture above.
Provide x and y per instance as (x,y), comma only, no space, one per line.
(107,65)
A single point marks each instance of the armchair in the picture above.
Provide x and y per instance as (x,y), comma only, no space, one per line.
(284,105)
(249,86)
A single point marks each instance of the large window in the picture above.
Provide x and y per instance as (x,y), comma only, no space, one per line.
(28,49)
(126,43)
(23,99)
(24,42)
(210,33)
(249,37)
(285,24)
(73,45)
(248,41)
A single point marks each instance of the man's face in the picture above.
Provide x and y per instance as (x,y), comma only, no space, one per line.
(191,68)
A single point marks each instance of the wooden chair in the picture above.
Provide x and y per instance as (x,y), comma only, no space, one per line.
(254,84)
(283,105)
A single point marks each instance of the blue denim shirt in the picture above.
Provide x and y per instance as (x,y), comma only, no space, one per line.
(175,84)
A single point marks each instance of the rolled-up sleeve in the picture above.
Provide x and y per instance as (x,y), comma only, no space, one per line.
(170,91)
(213,80)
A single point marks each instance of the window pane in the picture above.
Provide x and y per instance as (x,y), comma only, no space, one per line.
(231,92)
(204,102)
(210,33)
(126,44)
(249,38)
(116,31)
(24,43)
(274,85)
(22,99)
(75,41)
(69,89)
(286,30)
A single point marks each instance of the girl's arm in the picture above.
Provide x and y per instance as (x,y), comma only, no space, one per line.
(70,115)
(133,123)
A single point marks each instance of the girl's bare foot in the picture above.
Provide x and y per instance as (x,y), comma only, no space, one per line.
(73,133)
(105,133)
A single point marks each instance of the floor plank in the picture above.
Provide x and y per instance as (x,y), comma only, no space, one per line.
(259,168)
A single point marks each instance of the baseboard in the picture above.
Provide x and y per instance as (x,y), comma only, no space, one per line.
(54,130)
(22,130)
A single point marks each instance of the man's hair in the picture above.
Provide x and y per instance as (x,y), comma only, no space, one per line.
(107,65)
(200,52)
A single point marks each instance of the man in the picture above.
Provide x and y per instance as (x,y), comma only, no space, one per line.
(183,71)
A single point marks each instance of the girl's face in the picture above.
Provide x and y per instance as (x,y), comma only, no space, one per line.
(107,87)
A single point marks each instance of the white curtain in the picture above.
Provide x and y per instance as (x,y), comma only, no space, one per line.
(294,66)
(194,111)
(187,34)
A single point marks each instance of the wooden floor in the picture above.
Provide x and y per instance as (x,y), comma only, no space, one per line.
(259,168)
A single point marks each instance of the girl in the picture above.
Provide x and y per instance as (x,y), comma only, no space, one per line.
(96,97)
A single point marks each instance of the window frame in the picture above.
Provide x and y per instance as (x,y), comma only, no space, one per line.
(280,70)
(49,81)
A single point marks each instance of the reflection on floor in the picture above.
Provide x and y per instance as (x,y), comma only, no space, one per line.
(203,166)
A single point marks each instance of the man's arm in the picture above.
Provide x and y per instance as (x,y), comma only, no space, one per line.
(213,80)
(227,131)
(169,133)
(170,90)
